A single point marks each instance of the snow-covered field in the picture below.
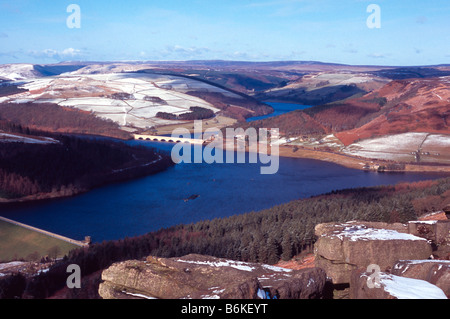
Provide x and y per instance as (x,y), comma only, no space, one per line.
(437,142)
(15,72)
(401,147)
(148,95)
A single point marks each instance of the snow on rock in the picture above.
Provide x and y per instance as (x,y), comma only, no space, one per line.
(205,277)
(430,222)
(139,296)
(342,248)
(415,262)
(360,232)
(435,271)
(408,288)
(275,268)
(227,263)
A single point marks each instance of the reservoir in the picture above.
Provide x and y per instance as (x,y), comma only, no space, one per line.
(187,193)
(146,204)
(278,109)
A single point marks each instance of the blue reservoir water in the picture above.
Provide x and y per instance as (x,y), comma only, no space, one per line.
(278,109)
(146,204)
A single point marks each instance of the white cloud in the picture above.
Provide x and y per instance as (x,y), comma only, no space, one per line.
(186,52)
(62,55)
(377,55)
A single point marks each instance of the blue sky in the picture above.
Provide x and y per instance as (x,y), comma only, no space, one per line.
(412,32)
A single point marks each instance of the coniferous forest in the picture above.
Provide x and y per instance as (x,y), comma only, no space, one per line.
(69,164)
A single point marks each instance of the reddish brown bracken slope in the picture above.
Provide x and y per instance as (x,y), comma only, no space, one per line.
(413,105)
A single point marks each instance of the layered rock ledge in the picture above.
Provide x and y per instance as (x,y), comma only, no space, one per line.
(204,277)
(389,286)
(342,248)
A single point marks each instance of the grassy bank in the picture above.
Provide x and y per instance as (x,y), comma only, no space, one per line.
(18,243)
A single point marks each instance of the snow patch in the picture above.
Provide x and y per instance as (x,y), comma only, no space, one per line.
(138,295)
(11,264)
(430,222)
(227,263)
(419,261)
(275,268)
(408,288)
(210,297)
(354,233)
(4,137)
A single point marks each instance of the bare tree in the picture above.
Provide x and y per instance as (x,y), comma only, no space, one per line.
(54,251)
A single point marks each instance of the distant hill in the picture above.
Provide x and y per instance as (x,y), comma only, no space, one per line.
(352,102)
(24,71)
(403,121)
(413,105)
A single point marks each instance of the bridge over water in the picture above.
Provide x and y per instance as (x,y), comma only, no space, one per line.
(169,139)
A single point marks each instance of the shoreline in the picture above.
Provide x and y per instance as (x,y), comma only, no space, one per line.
(357,163)
(349,161)
(116,176)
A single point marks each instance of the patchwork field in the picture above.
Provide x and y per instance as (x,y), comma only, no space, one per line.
(130,99)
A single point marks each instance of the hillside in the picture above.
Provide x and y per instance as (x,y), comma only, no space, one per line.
(23,71)
(50,117)
(303,82)
(21,243)
(123,93)
(403,121)
(366,112)
(35,167)
(415,105)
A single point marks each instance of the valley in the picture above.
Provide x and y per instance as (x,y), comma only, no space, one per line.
(361,117)
(66,144)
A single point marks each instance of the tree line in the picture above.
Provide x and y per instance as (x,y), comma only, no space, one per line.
(196,113)
(55,118)
(72,165)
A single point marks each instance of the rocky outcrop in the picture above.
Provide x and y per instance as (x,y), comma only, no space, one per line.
(435,231)
(200,277)
(388,286)
(447,211)
(342,248)
(436,272)
(376,259)
(326,228)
